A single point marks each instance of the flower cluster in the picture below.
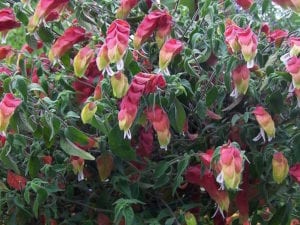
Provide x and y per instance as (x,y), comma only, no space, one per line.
(240,76)
(141,84)
(114,47)
(161,124)
(265,122)
(157,20)
(241,40)
(7,22)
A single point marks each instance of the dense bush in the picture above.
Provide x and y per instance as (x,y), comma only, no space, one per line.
(147,112)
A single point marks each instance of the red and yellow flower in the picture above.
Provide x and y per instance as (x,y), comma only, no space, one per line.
(82,60)
(169,50)
(8,105)
(265,122)
(7,21)
(280,167)
(161,124)
(240,77)
(125,8)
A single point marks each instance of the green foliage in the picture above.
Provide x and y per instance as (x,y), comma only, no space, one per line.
(78,173)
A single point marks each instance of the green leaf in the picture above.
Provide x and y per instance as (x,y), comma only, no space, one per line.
(296,147)
(189,69)
(211,96)
(45,34)
(75,135)
(33,166)
(282,215)
(21,86)
(72,149)
(134,68)
(160,169)
(31,41)
(35,87)
(119,146)
(7,161)
(190,4)
(180,115)
(22,17)
(265,5)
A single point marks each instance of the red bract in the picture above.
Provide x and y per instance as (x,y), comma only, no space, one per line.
(70,37)
(115,46)
(207,180)
(295,172)
(248,42)
(231,164)
(277,36)
(2,140)
(265,28)
(85,87)
(15,181)
(240,77)
(145,146)
(231,36)
(142,83)
(157,19)
(206,158)
(117,37)
(265,122)
(82,60)
(7,21)
(294,43)
(280,167)
(245,4)
(169,50)
(44,9)
(161,124)
(5,70)
(8,106)
(293,67)
(5,51)
(47,159)
(125,8)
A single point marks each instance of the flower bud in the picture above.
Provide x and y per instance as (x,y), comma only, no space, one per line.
(5,51)
(7,21)
(169,50)
(102,58)
(161,124)
(88,112)
(293,67)
(8,106)
(15,181)
(125,8)
(248,42)
(163,29)
(82,61)
(119,83)
(78,165)
(231,162)
(265,122)
(245,4)
(190,219)
(240,77)
(231,36)
(294,43)
(277,36)
(294,172)
(70,37)
(280,167)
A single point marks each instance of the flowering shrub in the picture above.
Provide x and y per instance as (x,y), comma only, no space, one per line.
(147,112)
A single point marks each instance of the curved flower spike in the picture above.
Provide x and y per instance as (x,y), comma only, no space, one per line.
(70,37)
(7,22)
(293,67)
(169,50)
(82,61)
(265,122)
(125,8)
(44,9)
(161,124)
(240,77)
(8,106)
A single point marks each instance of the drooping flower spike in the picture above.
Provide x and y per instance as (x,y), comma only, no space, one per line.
(293,67)
(161,124)
(194,175)
(231,163)
(280,167)
(119,83)
(240,76)
(142,83)
(8,106)
(70,37)
(248,42)
(169,50)
(245,4)
(7,22)
(294,43)
(265,122)
(115,46)
(43,9)
(82,61)
(157,20)
(125,8)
